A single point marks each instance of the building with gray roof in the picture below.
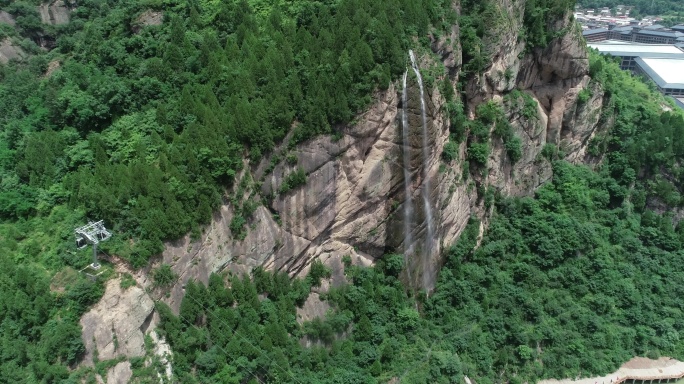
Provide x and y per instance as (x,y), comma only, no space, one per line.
(596,34)
(663,64)
(630,52)
(667,73)
(653,34)
(680,102)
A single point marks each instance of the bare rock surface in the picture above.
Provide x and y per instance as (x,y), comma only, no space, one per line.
(9,51)
(120,373)
(163,350)
(314,307)
(52,67)
(447,46)
(342,210)
(55,12)
(6,18)
(553,77)
(353,199)
(352,204)
(115,326)
(148,18)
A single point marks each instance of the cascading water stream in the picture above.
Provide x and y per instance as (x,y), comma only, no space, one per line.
(408,206)
(426,179)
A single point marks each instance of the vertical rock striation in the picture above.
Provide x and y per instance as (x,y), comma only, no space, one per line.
(361,185)
(356,202)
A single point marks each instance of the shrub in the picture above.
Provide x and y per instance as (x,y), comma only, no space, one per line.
(84,294)
(291,158)
(127,281)
(457,120)
(164,276)
(479,129)
(503,129)
(392,265)
(317,272)
(513,148)
(466,170)
(549,152)
(293,180)
(237,226)
(478,152)
(489,112)
(450,151)
(583,96)
(530,106)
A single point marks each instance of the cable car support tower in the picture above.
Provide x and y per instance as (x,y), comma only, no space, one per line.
(93,234)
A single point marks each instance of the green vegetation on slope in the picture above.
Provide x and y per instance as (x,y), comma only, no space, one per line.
(39,330)
(574,281)
(147,130)
(564,284)
(146,127)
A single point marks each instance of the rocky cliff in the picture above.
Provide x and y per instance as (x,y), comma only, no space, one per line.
(353,199)
(117,327)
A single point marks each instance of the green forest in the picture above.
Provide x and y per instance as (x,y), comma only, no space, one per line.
(147,130)
(148,126)
(573,281)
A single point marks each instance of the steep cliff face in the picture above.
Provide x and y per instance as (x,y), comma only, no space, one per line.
(359,181)
(553,77)
(353,198)
(117,326)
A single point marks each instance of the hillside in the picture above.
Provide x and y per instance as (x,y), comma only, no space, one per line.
(331,191)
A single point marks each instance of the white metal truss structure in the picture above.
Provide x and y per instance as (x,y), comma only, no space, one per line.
(93,234)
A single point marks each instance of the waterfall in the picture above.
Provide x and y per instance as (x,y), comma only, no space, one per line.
(426,180)
(408,206)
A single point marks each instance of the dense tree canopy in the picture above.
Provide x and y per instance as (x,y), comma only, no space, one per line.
(146,127)
(570,282)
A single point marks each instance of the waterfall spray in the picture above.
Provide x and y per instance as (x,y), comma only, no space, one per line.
(426,180)
(408,206)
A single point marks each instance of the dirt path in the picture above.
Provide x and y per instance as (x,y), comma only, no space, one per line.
(639,368)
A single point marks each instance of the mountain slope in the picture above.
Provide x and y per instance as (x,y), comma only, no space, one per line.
(299,138)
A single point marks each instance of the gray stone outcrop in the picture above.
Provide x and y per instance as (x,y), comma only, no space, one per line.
(55,12)
(120,373)
(9,51)
(115,326)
